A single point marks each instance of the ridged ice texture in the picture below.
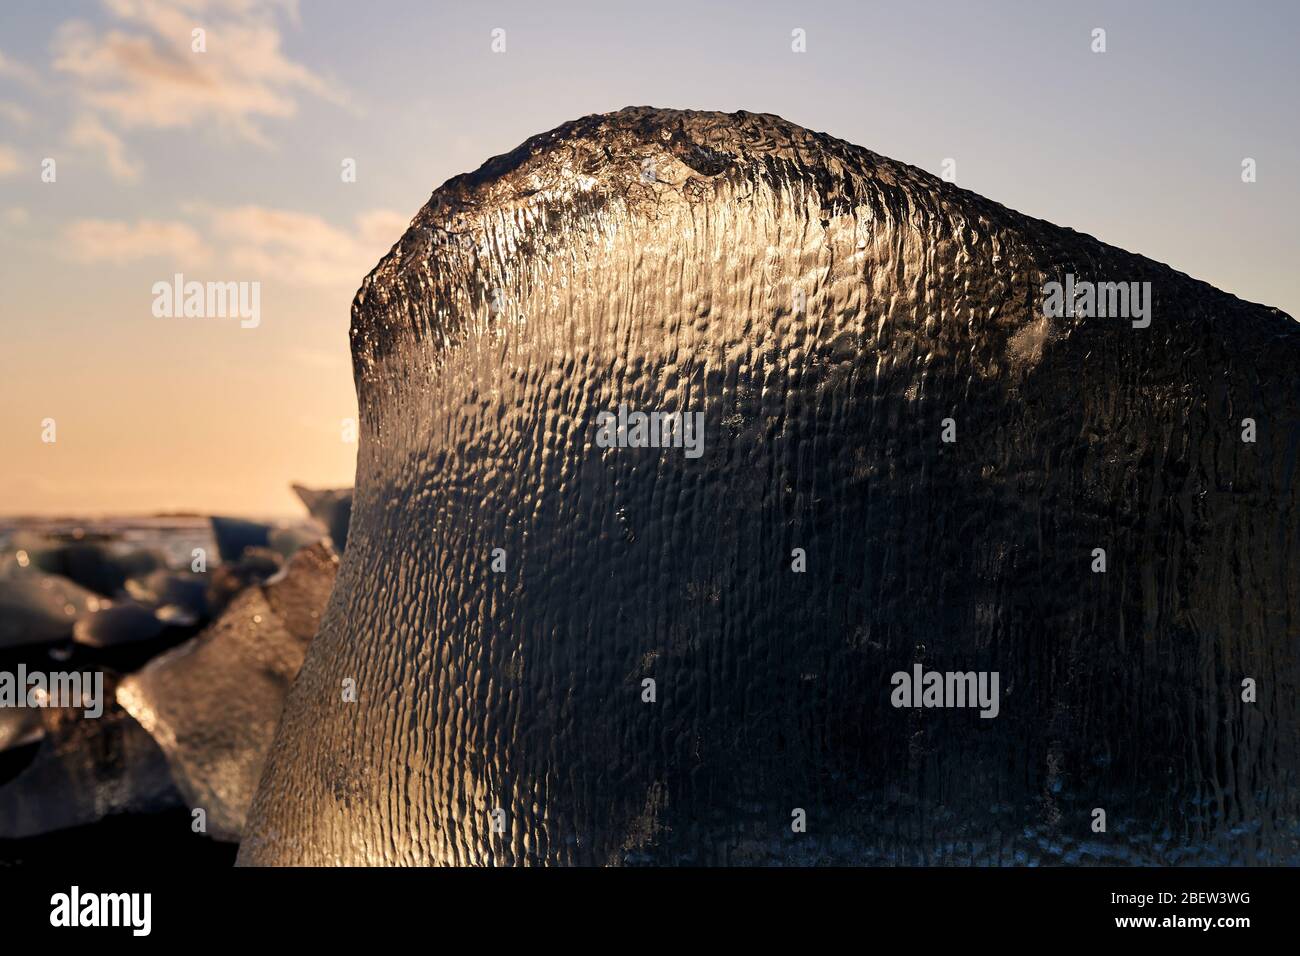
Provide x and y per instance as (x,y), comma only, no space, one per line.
(561,280)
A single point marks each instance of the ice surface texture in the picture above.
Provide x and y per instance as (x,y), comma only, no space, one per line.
(213,702)
(658,258)
(85,770)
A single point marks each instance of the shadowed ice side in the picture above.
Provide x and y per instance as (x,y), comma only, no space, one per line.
(904,462)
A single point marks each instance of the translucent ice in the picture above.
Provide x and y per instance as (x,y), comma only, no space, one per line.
(569,653)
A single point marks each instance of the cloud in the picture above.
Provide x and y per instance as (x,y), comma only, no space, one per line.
(89,133)
(14,113)
(102,240)
(16,71)
(382,227)
(8,161)
(143,72)
(301,248)
(246,242)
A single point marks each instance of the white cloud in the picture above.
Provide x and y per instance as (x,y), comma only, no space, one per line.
(246,242)
(142,72)
(301,248)
(89,133)
(103,240)
(16,71)
(14,113)
(382,227)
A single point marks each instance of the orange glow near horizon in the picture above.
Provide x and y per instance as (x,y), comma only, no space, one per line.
(296,157)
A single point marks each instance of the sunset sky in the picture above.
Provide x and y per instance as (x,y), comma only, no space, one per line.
(225,165)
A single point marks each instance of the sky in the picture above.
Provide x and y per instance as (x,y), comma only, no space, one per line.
(227,163)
